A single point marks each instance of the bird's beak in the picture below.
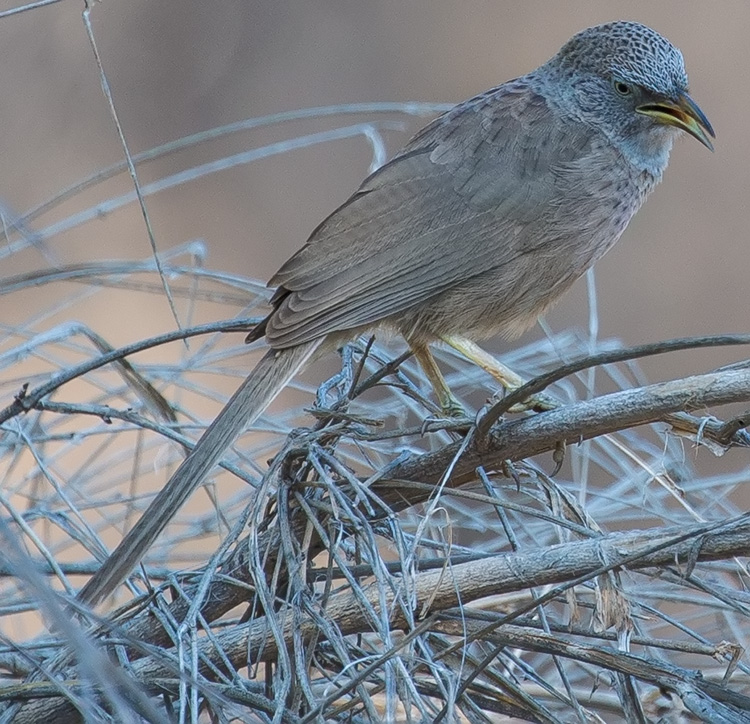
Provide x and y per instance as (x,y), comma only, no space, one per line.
(683,113)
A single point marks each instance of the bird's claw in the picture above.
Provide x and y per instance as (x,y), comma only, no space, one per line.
(453,409)
(536,403)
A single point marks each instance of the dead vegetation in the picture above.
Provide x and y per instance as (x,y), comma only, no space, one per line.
(355,558)
(386,564)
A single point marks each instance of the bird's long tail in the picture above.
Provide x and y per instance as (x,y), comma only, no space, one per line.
(258,390)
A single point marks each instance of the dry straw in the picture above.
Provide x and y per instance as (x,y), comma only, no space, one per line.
(356,558)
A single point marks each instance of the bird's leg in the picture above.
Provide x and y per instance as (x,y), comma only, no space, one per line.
(504,375)
(450,406)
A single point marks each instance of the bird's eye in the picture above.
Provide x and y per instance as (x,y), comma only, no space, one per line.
(622,88)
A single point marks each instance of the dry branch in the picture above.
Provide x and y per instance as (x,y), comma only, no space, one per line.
(511,441)
(437,591)
(353,598)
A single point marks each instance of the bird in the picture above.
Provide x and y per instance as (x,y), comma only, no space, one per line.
(492,211)
(475,228)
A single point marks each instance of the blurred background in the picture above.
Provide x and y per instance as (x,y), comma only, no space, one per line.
(180,67)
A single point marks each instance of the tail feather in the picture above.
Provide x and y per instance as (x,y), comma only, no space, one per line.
(247,404)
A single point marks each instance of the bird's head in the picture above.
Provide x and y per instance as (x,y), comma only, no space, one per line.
(629,82)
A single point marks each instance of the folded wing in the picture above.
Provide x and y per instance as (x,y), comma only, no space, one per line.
(465,195)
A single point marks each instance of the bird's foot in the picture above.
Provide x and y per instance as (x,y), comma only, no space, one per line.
(536,403)
(452,408)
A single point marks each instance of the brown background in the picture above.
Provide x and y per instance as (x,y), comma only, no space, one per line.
(179,66)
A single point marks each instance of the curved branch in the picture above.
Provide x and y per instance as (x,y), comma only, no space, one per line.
(513,440)
(518,439)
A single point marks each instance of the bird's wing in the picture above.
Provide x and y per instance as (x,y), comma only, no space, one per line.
(464,196)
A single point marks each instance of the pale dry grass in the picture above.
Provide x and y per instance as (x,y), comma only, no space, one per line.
(356,558)
(387,565)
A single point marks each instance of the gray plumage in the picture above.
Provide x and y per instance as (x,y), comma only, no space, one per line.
(473,229)
(484,219)
(494,209)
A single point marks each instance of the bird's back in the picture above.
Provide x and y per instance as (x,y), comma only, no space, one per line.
(455,229)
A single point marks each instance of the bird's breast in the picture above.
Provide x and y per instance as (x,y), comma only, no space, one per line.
(567,236)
